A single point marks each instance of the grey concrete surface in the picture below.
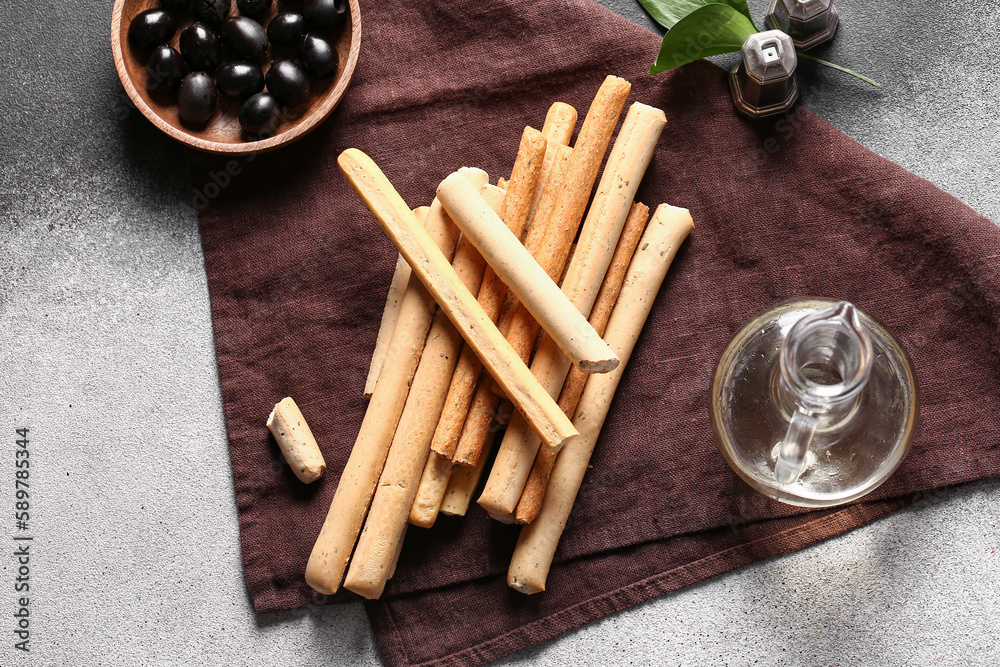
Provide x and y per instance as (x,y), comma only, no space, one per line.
(106,355)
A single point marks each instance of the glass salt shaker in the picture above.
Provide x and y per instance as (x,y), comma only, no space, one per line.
(814,403)
(763,82)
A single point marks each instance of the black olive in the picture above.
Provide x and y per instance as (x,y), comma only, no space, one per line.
(253,6)
(260,115)
(200,47)
(197,98)
(212,12)
(325,14)
(175,5)
(151,28)
(239,79)
(245,37)
(286,28)
(287,81)
(318,56)
(165,69)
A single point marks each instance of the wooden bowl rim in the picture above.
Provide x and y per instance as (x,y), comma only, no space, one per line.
(334,96)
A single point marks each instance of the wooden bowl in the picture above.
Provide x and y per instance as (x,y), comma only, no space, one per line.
(222,134)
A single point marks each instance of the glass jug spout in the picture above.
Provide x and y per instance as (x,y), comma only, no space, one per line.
(824,364)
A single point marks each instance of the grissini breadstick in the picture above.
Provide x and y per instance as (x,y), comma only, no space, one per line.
(395,557)
(569,398)
(543,235)
(630,156)
(484,404)
(627,163)
(483,407)
(296,441)
(433,483)
(335,542)
(400,280)
(534,288)
(560,121)
(437,470)
(572,197)
(510,472)
(537,542)
(431,490)
(476,429)
(502,183)
(386,523)
(394,299)
(524,178)
(453,298)
(462,486)
(523,181)
(476,177)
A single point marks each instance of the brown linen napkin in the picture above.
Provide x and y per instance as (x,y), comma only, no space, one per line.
(298,270)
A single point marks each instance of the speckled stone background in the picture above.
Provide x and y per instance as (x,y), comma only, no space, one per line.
(106,355)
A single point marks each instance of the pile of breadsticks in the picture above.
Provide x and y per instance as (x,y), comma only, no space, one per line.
(501,306)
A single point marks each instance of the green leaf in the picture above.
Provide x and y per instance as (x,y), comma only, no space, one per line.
(708,31)
(669,12)
(839,68)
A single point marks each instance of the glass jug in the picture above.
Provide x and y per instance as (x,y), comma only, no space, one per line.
(814,403)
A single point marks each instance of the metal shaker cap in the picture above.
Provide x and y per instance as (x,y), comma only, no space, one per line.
(763,82)
(809,22)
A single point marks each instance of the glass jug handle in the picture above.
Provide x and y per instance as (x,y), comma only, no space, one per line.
(792,451)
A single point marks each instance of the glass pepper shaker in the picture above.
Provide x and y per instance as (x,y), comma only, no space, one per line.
(814,402)
(763,82)
(809,22)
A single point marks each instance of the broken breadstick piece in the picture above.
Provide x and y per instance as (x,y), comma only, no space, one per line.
(433,269)
(531,498)
(537,542)
(523,275)
(296,441)
(502,183)
(346,516)
(393,301)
